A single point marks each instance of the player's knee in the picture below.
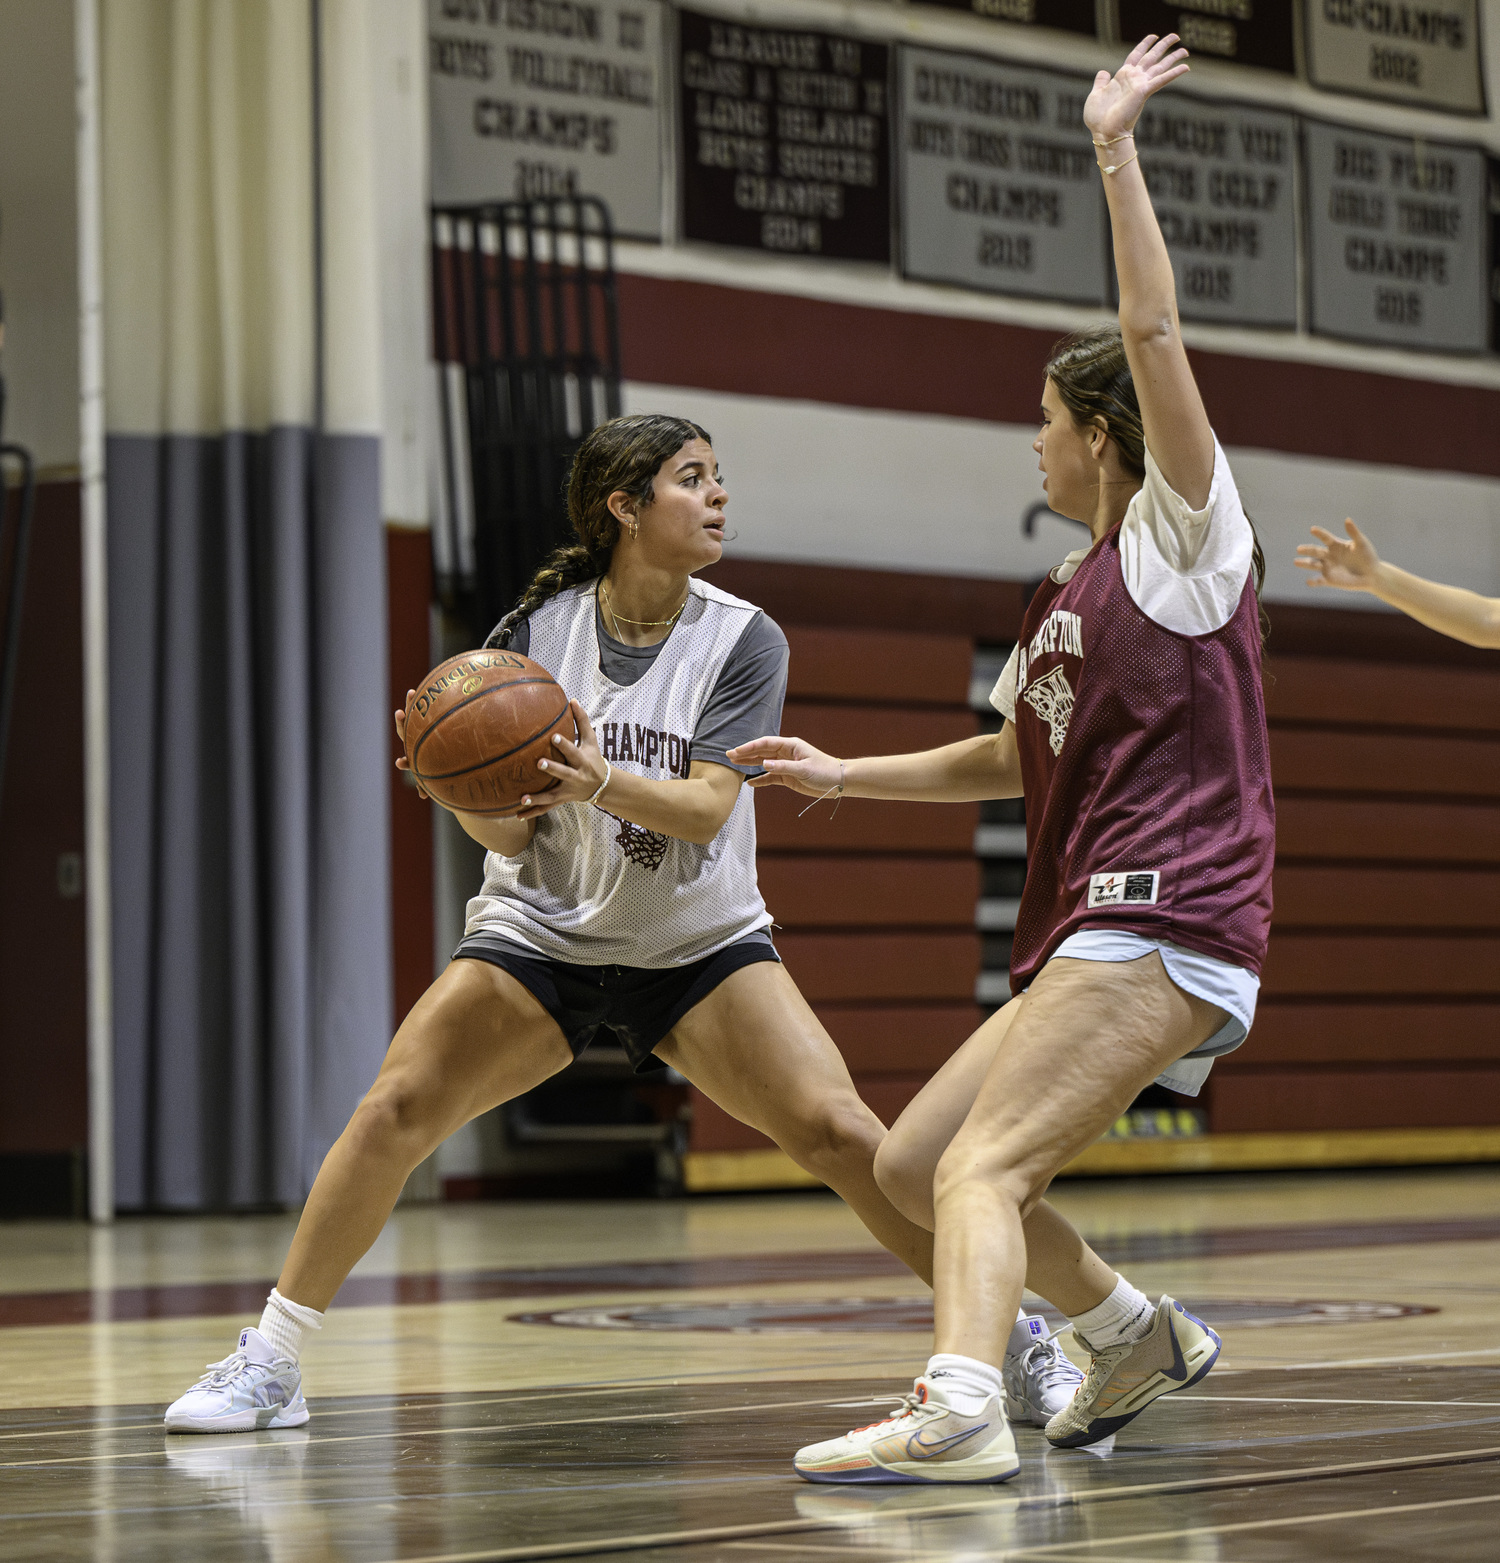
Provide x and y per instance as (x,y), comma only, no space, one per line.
(990,1169)
(399,1115)
(832,1132)
(904,1174)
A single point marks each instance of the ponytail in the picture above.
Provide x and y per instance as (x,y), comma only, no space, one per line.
(571,565)
(623,455)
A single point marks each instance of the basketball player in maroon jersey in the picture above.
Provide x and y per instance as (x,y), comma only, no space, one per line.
(1135,730)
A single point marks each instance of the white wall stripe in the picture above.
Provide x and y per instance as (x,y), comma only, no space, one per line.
(821,484)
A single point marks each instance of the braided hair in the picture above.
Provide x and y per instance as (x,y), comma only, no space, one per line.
(1093,378)
(623,455)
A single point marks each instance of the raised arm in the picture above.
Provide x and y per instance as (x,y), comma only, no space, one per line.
(1353,565)
(1177,428)
(965,772)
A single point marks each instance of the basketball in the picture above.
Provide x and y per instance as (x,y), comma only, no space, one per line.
(477,726)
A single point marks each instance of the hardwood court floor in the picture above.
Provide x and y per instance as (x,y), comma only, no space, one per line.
(553,1380)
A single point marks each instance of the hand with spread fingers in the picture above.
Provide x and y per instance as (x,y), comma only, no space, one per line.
(790,762)
(1353,565)
(1349,563)
(1115,103)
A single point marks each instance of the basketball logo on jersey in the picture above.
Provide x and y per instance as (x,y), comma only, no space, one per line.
(646,848)
(1051,697)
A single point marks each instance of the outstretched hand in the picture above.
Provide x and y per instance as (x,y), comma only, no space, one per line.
(1350,564)
(790,762)
(1116,101)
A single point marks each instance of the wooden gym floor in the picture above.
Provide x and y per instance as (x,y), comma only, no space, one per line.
(628,1379)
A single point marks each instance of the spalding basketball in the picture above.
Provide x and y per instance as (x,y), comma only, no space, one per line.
(477,726)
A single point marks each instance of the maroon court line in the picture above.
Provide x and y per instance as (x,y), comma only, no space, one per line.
(197,1299)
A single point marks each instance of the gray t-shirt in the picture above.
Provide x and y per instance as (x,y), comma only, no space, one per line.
(747,697)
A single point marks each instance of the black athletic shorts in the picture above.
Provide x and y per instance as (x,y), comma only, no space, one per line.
(639,1004)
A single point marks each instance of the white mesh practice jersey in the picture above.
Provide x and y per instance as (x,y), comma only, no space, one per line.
(599,891)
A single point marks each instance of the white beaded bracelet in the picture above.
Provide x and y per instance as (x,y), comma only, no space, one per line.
(602,785)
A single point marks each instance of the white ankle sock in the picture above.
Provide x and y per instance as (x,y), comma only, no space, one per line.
(965,1381)
(1125,1315)
(284,1323)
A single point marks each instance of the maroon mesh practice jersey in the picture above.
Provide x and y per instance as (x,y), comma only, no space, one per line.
(1147,773)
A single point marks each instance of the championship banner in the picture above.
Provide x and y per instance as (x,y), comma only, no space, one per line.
(533,98)
(1246,32)
(1397,239)
(1221,180)
(999,187)
(1425,53)
(1069,16)
(784,139)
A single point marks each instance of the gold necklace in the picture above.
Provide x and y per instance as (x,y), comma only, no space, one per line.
(619,618)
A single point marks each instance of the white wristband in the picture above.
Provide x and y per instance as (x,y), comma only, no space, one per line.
(602,785)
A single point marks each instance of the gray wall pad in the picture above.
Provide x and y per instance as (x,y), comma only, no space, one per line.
(249,803)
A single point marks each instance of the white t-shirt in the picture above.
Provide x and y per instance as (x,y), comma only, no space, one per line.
(1183,568)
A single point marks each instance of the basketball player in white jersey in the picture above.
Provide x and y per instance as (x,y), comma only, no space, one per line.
(625,897)
(1135,730)
(1352,565)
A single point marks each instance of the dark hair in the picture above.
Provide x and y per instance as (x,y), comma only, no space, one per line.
(1093,378)
(624,454)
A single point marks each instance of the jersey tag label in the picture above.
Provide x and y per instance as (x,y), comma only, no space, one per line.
(1122,889)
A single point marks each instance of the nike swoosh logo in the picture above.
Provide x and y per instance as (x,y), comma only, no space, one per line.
(1178,1370)
(917,1448)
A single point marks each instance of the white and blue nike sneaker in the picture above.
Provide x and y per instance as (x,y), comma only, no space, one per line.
(927,1440)
(1039,1380)
(251,1388)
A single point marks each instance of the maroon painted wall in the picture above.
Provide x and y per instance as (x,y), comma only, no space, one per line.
(43,1016)
(409,593)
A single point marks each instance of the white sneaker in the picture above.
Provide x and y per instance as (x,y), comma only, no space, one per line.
(250,1388)
(927,1440)
(1039,1380)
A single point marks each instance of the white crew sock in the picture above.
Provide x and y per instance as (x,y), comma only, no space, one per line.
(966,1382)
(284,1323)
(1125,1315)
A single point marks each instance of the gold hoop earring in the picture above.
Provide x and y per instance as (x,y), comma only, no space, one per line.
(634,528)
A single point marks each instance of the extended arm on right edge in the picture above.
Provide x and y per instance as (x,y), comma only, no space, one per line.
(973,769)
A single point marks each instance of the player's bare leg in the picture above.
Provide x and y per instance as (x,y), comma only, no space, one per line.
(476,1038)
(1060,1266)
(1089,1037)
(756,1048)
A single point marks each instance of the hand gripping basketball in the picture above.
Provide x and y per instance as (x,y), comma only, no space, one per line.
(790,762)
(475,730)
(576,770)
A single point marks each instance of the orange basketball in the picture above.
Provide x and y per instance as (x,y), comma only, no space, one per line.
(477,726)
